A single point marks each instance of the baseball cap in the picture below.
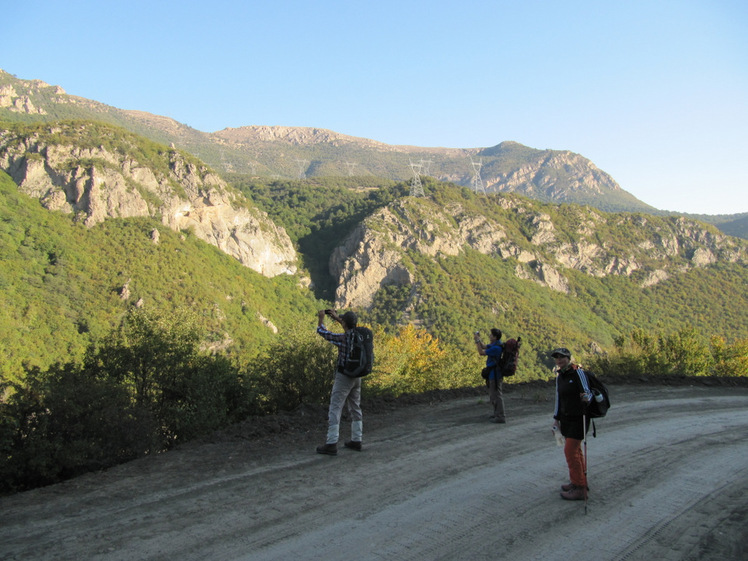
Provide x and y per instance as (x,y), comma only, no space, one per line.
(561,351)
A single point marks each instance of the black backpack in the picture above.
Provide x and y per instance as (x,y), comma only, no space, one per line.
(361,354)
(510,357)
(600,403)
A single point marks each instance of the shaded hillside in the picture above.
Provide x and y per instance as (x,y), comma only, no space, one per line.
(732,224)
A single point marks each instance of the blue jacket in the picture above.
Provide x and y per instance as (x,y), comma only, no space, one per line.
(493,354)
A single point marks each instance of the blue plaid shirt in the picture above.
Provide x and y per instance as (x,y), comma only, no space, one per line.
(341,340)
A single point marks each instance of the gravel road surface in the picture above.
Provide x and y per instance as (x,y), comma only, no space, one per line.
(668,473)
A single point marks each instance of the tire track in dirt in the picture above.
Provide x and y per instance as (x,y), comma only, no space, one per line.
(668,476)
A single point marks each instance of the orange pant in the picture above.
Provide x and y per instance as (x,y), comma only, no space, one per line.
(575,461)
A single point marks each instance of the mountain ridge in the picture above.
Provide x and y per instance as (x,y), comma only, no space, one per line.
(298,152)
(437,261)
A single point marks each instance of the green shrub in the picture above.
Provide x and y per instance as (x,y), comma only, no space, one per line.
(158,358)
(295,370)
(729,360)
(143,388)
(682,353)
(64,422)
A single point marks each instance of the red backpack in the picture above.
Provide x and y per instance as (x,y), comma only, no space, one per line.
(510,357)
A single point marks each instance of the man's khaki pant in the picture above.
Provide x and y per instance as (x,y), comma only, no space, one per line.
(345,391)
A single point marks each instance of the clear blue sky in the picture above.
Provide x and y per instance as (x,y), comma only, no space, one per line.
(654,92)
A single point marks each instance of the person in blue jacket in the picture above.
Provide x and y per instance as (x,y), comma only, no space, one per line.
(492,351)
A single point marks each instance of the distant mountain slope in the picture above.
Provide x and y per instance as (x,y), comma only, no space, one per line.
(294,152)
(731,224)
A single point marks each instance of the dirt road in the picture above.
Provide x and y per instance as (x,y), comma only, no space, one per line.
(668,475)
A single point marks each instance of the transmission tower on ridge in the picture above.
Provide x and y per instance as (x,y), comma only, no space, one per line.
(350,166)
(477,182)
(416,188)
(427,166)
(302,168)
(226,164)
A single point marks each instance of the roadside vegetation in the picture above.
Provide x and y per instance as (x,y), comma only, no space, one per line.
(148,386)
(114,347)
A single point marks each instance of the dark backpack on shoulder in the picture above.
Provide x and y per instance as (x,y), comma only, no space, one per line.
(510,357)
(600,403)
(361,354)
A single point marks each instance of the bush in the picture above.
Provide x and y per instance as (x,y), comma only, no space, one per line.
(207,395)
(729,360)
(145,387)
(413,361)
(682,353)
(158,358)
(292,371)
(65,422)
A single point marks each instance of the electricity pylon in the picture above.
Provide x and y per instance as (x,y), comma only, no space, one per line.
(477,182)
(416,188)
(302,168)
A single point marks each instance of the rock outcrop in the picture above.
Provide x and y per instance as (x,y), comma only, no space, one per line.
(553,175)
(99,182)
(647,249)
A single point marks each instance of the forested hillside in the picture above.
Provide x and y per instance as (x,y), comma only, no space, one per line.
(452,295)
(64,285)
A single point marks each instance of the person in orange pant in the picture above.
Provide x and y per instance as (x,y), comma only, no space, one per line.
(572,396)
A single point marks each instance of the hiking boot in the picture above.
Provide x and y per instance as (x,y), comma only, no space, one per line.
(575,494)
(353,445)
(571,487)
(329,449)
(497,420)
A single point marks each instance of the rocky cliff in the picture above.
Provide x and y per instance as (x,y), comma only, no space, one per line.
(553,175)
(73,170)
(543,241)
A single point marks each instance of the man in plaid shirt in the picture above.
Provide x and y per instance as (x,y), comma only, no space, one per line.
(345,390)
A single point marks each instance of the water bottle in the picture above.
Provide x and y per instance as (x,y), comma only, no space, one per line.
(558,435)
